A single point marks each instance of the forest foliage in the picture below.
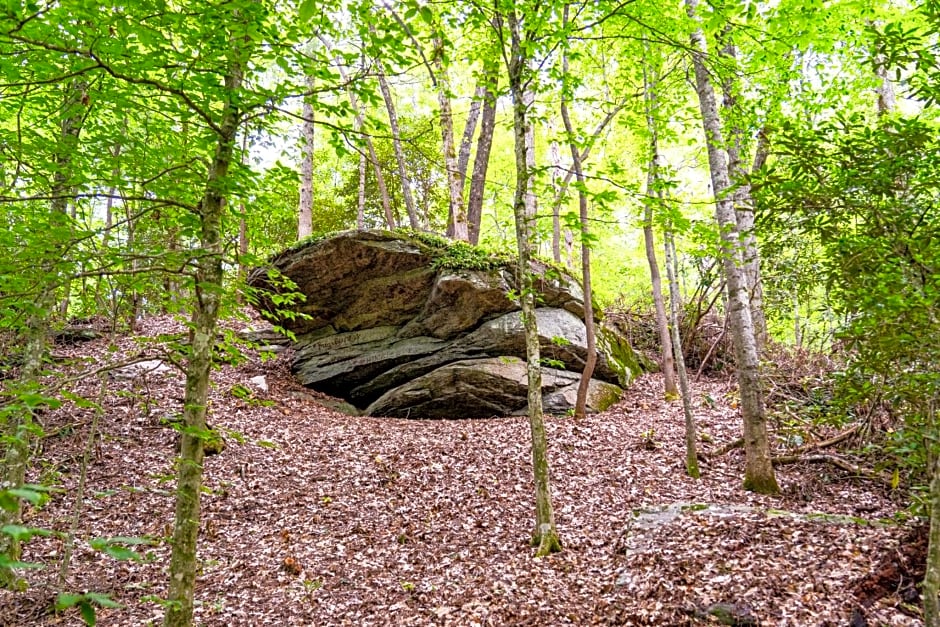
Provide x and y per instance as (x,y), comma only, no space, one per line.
(150,155)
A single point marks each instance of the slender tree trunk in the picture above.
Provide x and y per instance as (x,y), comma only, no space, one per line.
(652,195)
(885,101)
(207,296)
(361,200)
(482,160)
(691,455)
(469,129)
(370,147)
(396,142)
(591,361)
(545,535)
(17,430)
(305,217)
(759,472)
(797,323)
(554,155)
(456,214)
(561,189)
(743,202)
(71,127)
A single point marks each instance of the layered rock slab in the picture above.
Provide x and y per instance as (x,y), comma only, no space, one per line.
(389,328)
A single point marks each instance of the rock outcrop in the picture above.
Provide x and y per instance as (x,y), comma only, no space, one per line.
(415,326)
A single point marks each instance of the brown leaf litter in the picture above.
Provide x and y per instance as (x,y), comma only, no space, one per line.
(312,517)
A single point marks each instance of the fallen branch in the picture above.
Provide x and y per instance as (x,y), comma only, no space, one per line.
(815,446)
(838,462)
(727,448)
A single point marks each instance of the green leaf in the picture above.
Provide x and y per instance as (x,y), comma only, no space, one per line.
(24,534)
(113,547)
(28,494)
(88,613)
(65,600)
(6,562)
(102,600)
(308,8)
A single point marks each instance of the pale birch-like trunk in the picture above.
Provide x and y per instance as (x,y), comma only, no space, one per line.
(396,142)
(17,430)
(469,130)
(305,217)
(361,199)
(652,183)
(208,291)
(370,149)
(743,201)
(545,534)
(759,472)
(482,159)
(554,155)
(691,454)
(456,215)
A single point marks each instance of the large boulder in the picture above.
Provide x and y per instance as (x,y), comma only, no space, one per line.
(394,324)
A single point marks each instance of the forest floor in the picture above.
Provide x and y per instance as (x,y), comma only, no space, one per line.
(313,517)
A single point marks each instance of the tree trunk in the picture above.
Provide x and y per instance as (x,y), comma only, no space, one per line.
(396,142)
(554,154)
(652,194)
(691,455)
(456,214)
(591,361)
(561,189)
(759,472)
(482,160)
(305,218)
(208,290)
(361,200)
(469,129)
(370,147)
(743,202)
(18,428)
(545,535)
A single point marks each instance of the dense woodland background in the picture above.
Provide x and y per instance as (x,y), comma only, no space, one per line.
(777,163)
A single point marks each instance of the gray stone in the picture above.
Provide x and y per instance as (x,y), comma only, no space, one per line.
(482,388)
(383,326)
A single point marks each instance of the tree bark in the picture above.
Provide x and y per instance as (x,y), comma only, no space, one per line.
(456,215)
(305,218)
(482,159)
(759,473)
(469,129)
(361,199)
(207,296)
(370,148)
(17,429)
(691,454)
(652,185)
(545,535)
(591,361)
(554,153)
(396,142)
(743,201)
